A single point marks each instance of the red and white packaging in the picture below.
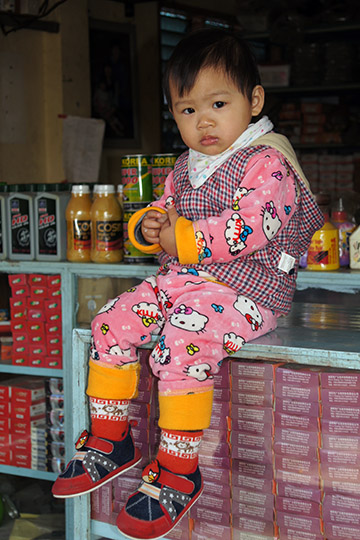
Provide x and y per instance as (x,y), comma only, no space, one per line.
(296,393)
(350,398)
(258,470)
(338,412)
(252,400)
(27,390)
(340,378)
(209,515)
(253,370)
(284,489)
(336,458)
(17,279)
(339,443)
(255,526)
(204,531)
(341,531)
(300,523)
(332,473)
(300,408)
(296,450)
(299,466)
(298,375)
(253,414)
(336,427)
(298,506)
(297,437)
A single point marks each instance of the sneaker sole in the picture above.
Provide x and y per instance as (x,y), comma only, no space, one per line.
(98,484)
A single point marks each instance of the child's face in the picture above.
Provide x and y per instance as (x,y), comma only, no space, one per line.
(214,113)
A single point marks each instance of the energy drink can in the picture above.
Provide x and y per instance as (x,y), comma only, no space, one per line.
(131,253)
(162,165)
(136,177)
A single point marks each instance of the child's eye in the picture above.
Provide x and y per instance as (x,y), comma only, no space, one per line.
(188,110)
(218,104)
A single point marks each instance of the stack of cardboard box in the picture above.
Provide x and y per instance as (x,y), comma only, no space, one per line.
(35,307)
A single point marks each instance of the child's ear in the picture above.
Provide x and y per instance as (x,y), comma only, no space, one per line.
(257,100)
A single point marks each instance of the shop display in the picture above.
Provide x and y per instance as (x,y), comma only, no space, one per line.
(106,226)
(35,311)
(78,223)
(323,252)
(50,205)
(162,165)
(345,226)
(136,177)
(20,222)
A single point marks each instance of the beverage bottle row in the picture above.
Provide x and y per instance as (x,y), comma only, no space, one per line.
(95,225)
(46,222)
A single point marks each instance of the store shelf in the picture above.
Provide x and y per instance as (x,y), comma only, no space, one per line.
(25,370)
(29,473)
(312,334)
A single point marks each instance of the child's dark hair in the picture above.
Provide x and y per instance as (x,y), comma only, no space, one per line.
(215,48)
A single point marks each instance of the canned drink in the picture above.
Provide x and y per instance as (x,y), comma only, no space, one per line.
(136,177)
(162,165)
(131,253)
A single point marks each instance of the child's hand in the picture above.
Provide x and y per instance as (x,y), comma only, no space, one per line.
(151,226)
(167,233)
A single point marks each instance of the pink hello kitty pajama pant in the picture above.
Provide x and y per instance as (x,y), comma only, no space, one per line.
(200,321)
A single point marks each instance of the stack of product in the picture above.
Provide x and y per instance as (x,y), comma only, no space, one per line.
(55,434)
(211,513)
(22,423)
(35,307)
(143,178)
(340,453)
(296,461)
(251,441)
(107,501)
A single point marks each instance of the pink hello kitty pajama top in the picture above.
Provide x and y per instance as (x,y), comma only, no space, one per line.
(239,239)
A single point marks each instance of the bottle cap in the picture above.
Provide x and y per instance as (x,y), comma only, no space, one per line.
(104,189)
(80,189)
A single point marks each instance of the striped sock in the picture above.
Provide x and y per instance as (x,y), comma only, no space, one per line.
(109,418)
(178,450)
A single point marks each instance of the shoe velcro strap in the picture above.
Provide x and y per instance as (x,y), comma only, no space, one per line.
(99,444)
(176,481)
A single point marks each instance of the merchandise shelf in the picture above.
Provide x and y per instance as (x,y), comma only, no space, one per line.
(313,334)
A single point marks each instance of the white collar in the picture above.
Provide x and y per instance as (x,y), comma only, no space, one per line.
(201,166)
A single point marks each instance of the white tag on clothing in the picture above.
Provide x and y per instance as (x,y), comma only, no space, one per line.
(286,263)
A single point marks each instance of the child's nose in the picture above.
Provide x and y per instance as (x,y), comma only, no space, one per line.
(205,121)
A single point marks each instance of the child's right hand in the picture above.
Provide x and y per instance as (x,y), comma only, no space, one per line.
(151,226)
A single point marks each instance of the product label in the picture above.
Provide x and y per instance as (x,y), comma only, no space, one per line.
(82,234)
(48,244)
(108,235)
(136,178)
(20,226)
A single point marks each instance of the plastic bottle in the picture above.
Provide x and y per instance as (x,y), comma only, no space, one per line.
(354,243)
(3,222)
(345,227)
(323,252)
(20,218)
(78,224)
(106,226)
(50,231)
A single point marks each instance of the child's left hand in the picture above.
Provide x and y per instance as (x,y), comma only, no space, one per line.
(167,233)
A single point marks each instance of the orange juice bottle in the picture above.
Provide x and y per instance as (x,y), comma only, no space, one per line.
(106,226)
(78,224)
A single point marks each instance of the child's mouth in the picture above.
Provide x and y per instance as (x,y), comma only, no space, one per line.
(208,140)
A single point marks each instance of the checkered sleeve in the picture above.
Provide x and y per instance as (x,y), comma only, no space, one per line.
(262,205)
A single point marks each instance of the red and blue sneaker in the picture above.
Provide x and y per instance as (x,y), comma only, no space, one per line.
(96,462)
(159,503)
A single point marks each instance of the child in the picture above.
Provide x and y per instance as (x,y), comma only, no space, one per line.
(235,217)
